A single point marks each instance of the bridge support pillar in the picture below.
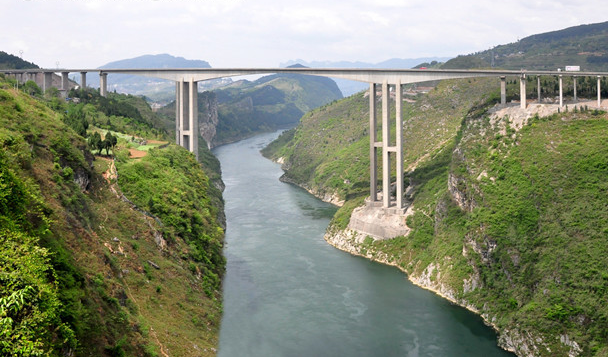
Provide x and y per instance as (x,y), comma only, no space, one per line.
(522,91)
(386,137)
(503,90)
(83,80)
(65,83)
(47,81)
(561,91)
(538,89)
(574,79)
(373,145)
(186,114)
(399,142)
(599,91)
(103,84)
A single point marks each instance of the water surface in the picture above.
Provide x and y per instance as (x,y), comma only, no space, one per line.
(289,293)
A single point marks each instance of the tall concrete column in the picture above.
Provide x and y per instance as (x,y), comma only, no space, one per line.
(399,142)
(386,137)
(103,84)
(574,78)
(503,90)
(177,112)
(47,81)
(186,115)
(373,149)
(183,114)
(599,92)
(65,81)
(522,91)
(538,89)
(83,80)
(193,117)
(561,92)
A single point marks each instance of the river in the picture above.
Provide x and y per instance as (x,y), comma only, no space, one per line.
(289,293)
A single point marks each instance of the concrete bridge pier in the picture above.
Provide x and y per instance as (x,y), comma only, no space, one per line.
(386,136)
(30,77)
(47,81)
(386,145)
(561,92)
(373,145)
(399,142)
(65,83)
(503,90)
(599,91)
(186,115)
(103,84)
(83,80)
(522,90)
(574,79)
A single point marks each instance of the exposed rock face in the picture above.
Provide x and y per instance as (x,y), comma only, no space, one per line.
(378,222)
(459,187)
(523,343)
(82,178)
(207,117)
(324,196)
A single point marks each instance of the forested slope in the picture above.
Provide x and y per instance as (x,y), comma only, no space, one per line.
(87,268)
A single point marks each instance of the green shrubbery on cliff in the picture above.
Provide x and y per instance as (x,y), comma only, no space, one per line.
(169,184)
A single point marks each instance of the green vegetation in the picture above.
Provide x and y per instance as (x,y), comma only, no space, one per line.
(8,61)
(525,242)
(81,266)
(583,45)
(158,184)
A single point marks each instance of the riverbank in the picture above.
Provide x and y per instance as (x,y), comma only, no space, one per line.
(353,242)
(288,292)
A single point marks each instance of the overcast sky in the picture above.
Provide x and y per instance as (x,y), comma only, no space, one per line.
(264,33)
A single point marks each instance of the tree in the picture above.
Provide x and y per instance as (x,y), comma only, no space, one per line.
(109,142)
(31,88)
(95,142)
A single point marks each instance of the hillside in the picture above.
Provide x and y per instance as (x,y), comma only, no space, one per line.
(511,223)
(583,45)
(92,261)
(8,61)
(245,108)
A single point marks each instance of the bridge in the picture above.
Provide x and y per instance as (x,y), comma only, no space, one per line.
(186,123)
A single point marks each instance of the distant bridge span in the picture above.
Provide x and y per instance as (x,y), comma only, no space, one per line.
(186,123)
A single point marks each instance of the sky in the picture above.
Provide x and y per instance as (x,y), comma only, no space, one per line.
(265,33)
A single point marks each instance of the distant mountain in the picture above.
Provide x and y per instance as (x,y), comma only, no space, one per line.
(157,61)
(585,46)
(153,88)
(350,87)
(244,108)
(8,61)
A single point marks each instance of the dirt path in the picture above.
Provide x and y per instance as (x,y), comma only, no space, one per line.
(137,154)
